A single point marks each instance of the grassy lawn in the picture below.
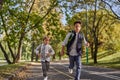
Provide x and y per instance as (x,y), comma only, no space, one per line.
(114,65)
(109,60)
(7,70)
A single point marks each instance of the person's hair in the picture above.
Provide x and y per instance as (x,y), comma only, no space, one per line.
(46,37)
(79,22)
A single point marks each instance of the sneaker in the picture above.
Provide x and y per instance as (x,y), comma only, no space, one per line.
(70,71)
(45,78)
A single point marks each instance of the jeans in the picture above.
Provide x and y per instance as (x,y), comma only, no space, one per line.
(45,67)
(77,61)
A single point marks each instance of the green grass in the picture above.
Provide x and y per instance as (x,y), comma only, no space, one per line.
(105,59)
(111,58)
(114,65)
(7,70)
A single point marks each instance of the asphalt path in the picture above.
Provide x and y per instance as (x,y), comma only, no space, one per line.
(59,71)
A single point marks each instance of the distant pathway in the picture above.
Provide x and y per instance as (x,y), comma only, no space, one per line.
(3,62)
(59,71)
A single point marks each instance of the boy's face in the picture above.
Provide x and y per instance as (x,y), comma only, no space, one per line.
(46,41)
(77,27)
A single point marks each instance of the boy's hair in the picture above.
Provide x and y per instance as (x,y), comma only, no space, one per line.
(46,37)
(77,22)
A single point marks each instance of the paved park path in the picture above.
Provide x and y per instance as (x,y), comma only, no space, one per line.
(59,71)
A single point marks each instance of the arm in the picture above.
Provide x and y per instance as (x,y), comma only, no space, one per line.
(65,43)
(50,51)
(62,51)
(85,42)
(37,50)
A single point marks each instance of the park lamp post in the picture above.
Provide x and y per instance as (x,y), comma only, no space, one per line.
(86,32)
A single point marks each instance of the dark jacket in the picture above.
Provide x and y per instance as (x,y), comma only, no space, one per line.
(78,45)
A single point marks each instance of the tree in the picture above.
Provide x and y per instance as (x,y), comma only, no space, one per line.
(113,4)
(95,17)
(17,21)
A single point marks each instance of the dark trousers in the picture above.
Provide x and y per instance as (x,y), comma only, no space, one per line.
(45,67)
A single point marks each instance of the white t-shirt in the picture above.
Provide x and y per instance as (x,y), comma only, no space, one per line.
(43,50)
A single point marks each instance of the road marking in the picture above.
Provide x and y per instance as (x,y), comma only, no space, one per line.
(65,73)
(101,74)
(62,73)
(104,74)
(112,77)
(80,79)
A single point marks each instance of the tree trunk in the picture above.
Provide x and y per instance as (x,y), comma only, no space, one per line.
(37,57)
(91,46)
(59,56)
(54,57)
(95,58)
(5,54)
(94,33)
(21,52)
(12,54)
(95,49)
(32,55)
(19,48)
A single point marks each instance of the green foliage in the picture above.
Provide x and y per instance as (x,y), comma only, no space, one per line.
(96,20)
(25,21)
(21,21)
